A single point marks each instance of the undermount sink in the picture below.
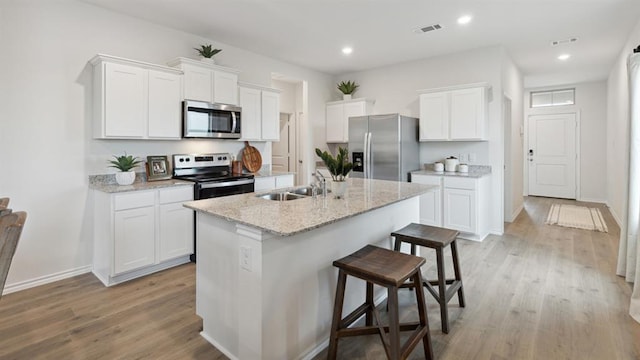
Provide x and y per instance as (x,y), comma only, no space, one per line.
(292,194)
(282,196)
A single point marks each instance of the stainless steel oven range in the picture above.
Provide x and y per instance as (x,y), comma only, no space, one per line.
(212,176)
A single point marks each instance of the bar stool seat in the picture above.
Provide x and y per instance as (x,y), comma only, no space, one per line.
(389,269)
(435,238)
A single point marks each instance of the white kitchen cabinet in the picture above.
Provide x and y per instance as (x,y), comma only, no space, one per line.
(460,203)
(208,82)
(431,202)
(260,112)
(338,114)
(455,114)
(135,100)
(266,183)
(140,232)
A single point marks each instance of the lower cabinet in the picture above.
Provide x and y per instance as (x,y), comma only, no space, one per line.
(459,203)
(140,232)
(266,183)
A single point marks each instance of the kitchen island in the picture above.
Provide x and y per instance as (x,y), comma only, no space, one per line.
(265,283)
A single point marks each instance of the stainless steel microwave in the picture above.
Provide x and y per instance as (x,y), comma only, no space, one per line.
(207,120)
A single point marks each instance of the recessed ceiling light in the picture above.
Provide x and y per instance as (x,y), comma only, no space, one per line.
(564,57)
(347,50)
(463,20)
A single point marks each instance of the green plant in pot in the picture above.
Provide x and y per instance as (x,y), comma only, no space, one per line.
(339,167)
(207,52)
(347,88)
(125,163)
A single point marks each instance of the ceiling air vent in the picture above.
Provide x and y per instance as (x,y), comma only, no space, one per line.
(564,41)
(427,29)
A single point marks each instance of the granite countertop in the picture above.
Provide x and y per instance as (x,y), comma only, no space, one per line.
(475,171)
(287,218)
(107,183)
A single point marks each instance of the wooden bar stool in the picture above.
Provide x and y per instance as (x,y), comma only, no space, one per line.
(435,238)
(389,269)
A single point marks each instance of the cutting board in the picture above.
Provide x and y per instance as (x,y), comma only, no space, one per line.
(251,158)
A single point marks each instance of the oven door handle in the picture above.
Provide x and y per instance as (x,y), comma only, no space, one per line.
(226,184)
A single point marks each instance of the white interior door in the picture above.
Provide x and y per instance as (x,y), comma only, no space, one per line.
(552,155)
(281,150)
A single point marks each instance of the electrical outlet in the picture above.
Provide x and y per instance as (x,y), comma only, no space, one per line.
(245,258)
(462,158)
(472,157)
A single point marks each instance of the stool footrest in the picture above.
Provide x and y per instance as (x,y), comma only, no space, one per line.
(454,286)
(354,315)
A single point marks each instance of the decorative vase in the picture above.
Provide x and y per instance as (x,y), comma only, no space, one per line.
(338,188)
(125,177)
(346,97)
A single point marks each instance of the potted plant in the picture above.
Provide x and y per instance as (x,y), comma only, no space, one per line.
(207,52)
(125,163)
(339,167)
(347,89)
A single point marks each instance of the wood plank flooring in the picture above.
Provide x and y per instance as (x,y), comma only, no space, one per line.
(537,292)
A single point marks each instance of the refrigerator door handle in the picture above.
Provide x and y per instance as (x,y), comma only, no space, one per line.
(366,156)
(370,156)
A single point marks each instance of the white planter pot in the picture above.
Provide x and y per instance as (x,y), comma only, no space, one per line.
(346,97)
(125,177)
(208,60)
(338,189)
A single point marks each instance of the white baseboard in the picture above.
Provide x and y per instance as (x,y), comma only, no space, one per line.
(515,214)
(585,199)
(27,284)
(615,216)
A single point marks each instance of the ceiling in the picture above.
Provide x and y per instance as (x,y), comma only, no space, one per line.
(311,33)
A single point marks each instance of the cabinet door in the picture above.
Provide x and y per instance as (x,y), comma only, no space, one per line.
(176,231)
(165,111)
(460,209)
(198,83)
(264,183)
(430,203)
(284,181)
(351,109)
(467,114)
(225,88)
(125,96)
(134,241)
(270,116)
(250,121)
(434,116)
(335,124)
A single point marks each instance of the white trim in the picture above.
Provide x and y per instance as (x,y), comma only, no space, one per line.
(599,201)
(615,216)
(497,233)
(178,62)
(100,58)
(485,85)
(42,280)
(222,349)
(258,87)
(516,212)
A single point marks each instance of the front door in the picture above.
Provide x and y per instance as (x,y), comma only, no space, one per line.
(552,155)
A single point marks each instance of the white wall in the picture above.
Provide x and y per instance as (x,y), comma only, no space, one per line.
(46,149)
(394,88)
(591,104)
(512,81)
(618,130)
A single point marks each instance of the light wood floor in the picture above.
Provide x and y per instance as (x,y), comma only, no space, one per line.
(537,292)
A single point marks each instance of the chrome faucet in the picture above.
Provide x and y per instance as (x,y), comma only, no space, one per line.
(321,181)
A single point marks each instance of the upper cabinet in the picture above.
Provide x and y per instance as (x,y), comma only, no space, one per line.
(338,114)
(455,114)
(208,82)
(260,119)
(135,100)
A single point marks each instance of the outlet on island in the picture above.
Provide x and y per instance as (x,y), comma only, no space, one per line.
(245,258)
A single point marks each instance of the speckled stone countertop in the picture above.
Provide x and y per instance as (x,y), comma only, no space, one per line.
(475,171)
(107,183)
(287,218)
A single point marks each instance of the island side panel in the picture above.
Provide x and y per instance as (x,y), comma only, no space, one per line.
(298,278)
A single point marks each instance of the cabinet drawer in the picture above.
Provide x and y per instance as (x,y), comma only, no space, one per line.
(172,195)
(134,200)
(426,179)
(460,183)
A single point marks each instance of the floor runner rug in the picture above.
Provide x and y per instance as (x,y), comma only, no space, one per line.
(579,217)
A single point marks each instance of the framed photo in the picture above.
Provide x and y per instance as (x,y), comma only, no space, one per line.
(158,168)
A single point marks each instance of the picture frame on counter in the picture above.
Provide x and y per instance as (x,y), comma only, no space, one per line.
(158,168)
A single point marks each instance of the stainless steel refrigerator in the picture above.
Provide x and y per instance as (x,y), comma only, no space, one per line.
(384,147)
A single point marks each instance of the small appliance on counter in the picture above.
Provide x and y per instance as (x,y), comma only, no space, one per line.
(463,168)
(438,166)
(451,164)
